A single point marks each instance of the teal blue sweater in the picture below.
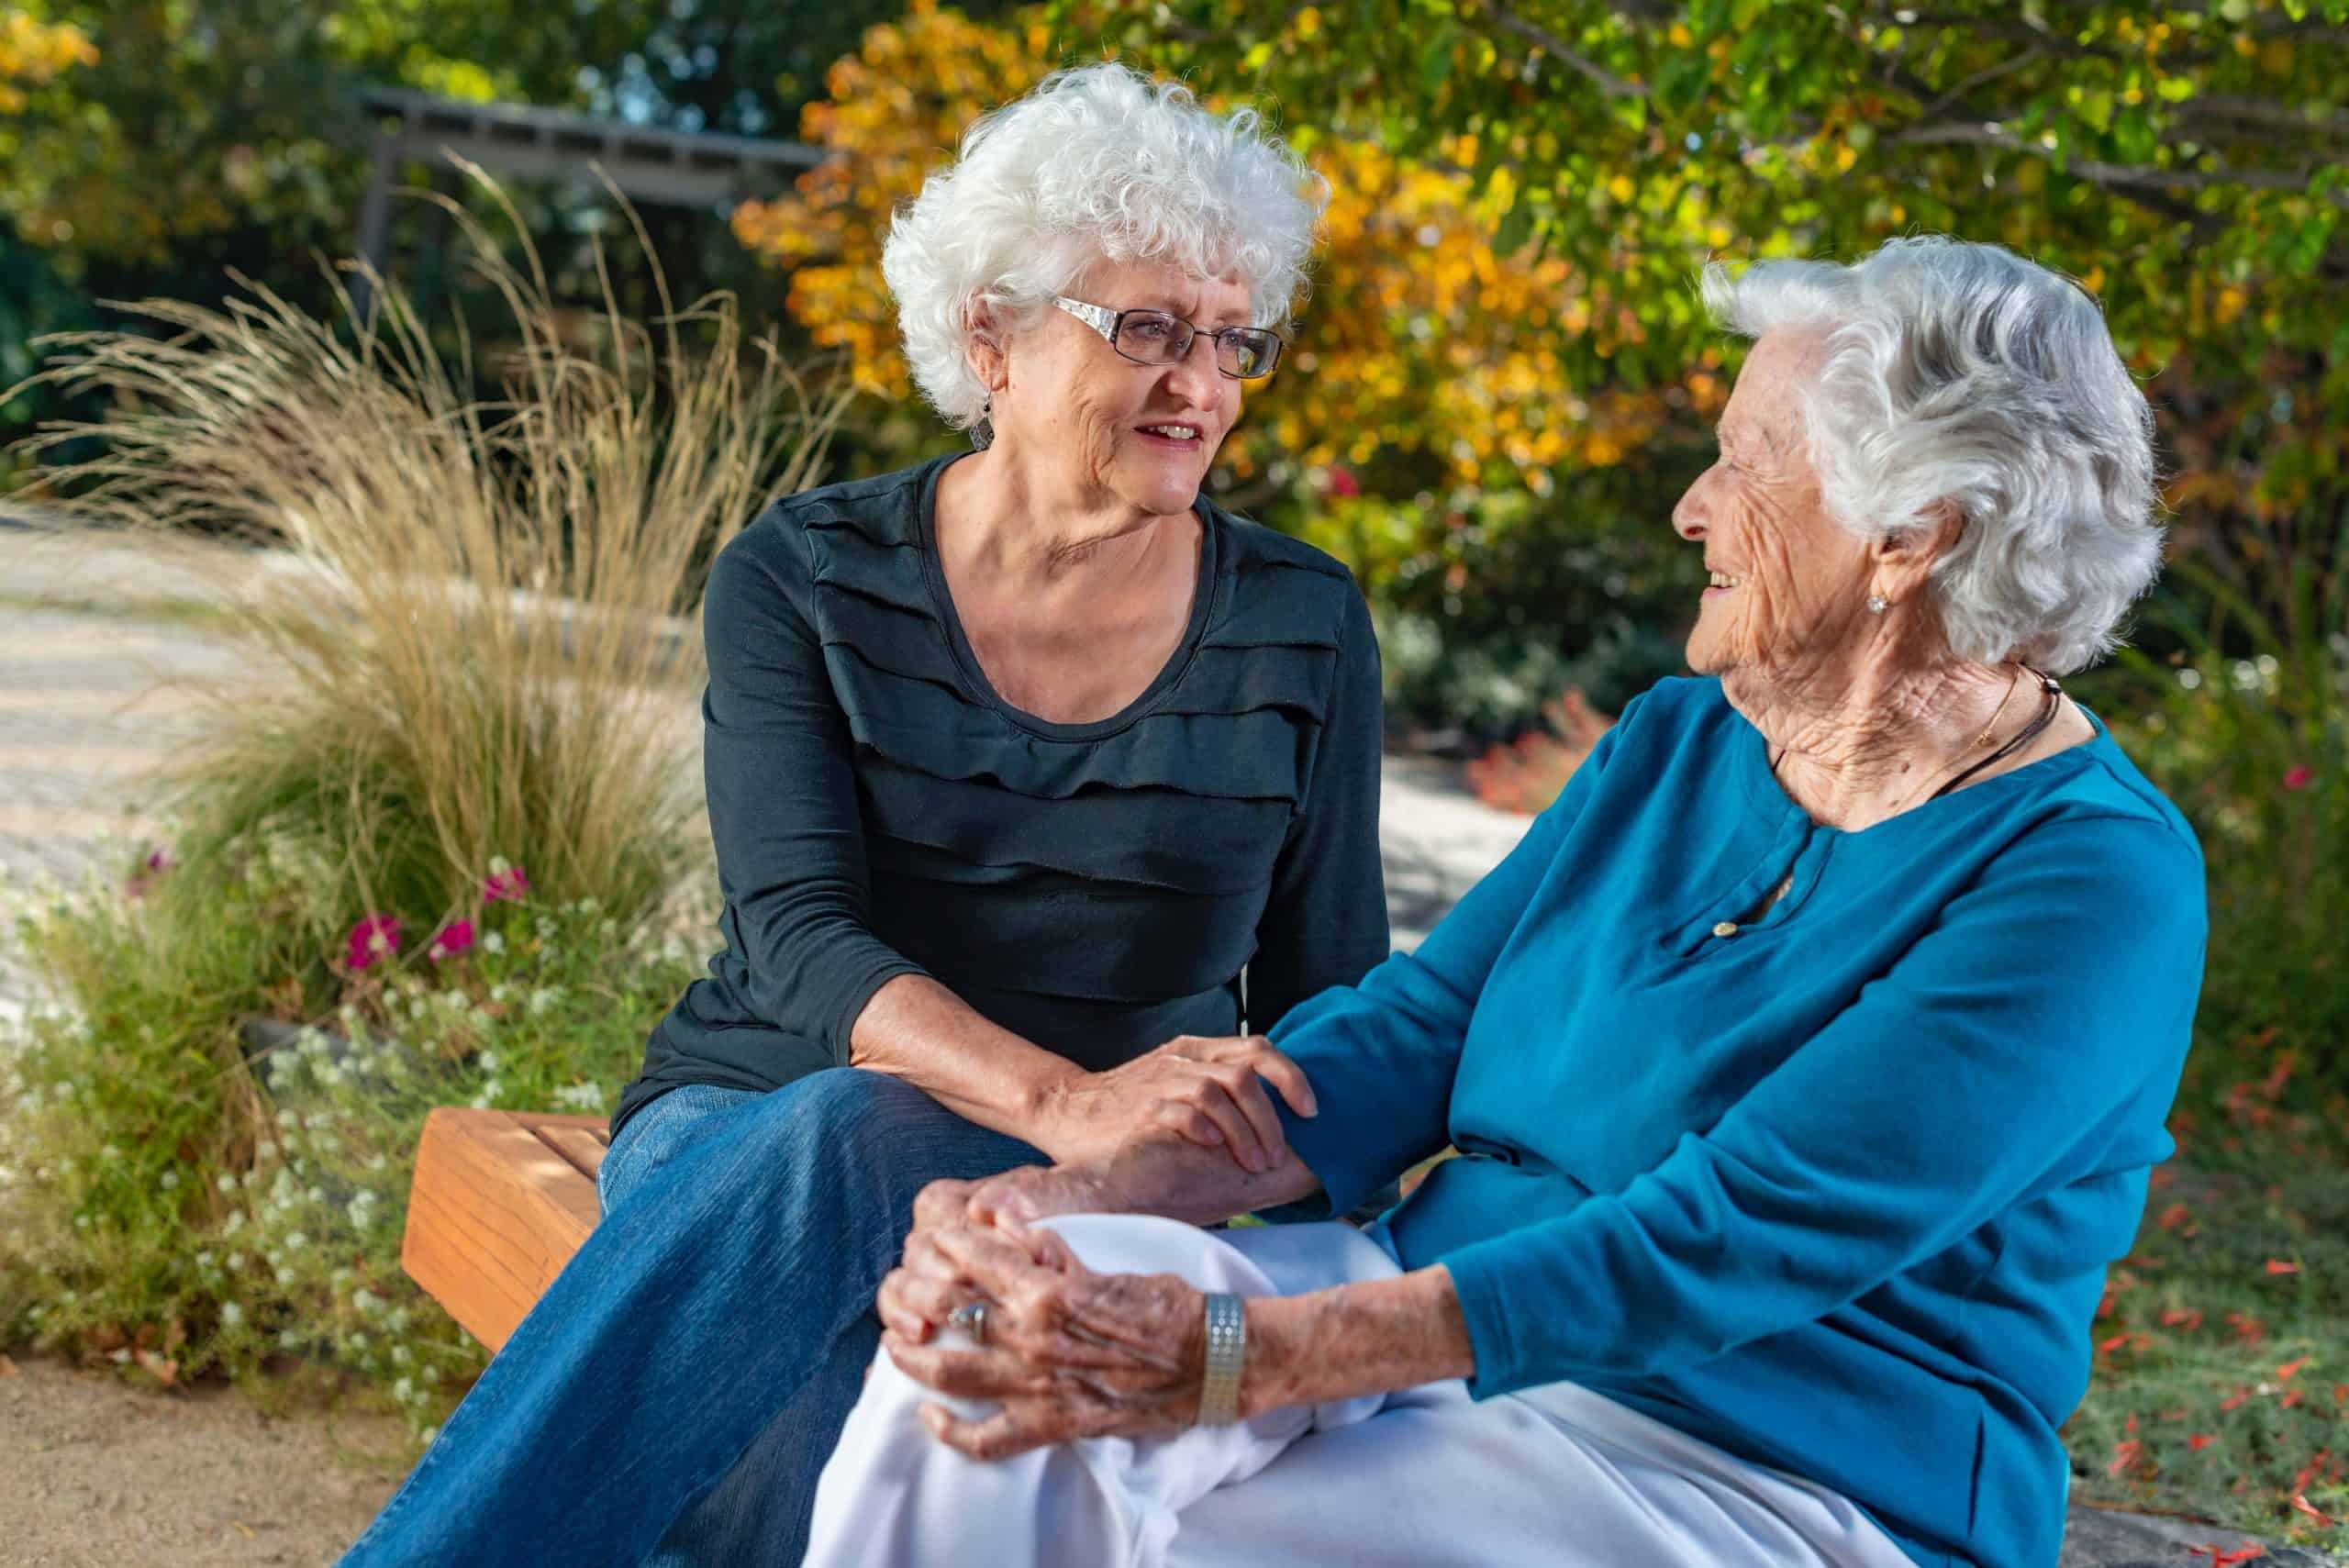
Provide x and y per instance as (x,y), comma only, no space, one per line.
(1835,1191)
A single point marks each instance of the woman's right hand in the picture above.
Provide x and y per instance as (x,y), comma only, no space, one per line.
(1209,1091)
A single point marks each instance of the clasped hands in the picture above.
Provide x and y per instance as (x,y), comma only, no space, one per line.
(1069,1353)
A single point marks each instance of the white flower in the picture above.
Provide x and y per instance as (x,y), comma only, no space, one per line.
(287,1338)
(168,1179)
(494,941)
(297,1240)
(285,1276)
(234,1223)
(204,1259)
(499,865)
(227,1183)
(489,1059)
(404,1390)
(231,1314)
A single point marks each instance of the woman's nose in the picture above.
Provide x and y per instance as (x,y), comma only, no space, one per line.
(1194,376)
(1689,512)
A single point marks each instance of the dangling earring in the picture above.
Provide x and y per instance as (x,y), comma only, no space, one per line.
(1877,604)
(983,432)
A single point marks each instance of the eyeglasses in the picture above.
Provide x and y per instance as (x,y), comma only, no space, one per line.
(1161,338)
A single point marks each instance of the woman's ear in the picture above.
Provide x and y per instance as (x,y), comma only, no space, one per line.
(1904,561)
(985,349)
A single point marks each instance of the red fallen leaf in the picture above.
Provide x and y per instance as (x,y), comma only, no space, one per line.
(2291,1369)
(2248,1329)
(2173,1216)
(2199,1441)
(2234,1399)
(2114,1343)
(2280,1266)
(2319,1515)
(2124,1454)
(2182,1318)
(2131,1424)
(2221,1558)
(2291,1399)
(166,1373)
(2341,1394)
(2309,1472)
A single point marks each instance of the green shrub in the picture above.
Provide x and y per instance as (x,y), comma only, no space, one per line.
(184,1202)
(2246,726)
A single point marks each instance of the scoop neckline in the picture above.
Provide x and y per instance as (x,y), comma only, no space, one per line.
(1765,788)
(967,660)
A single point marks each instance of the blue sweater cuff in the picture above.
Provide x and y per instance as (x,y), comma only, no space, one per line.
(1480,1280)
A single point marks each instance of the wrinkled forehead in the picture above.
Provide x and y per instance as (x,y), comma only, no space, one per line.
(1771,393)
(1165,285)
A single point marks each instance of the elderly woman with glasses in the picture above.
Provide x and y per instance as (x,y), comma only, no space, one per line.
(1016,762)
(1806,1064)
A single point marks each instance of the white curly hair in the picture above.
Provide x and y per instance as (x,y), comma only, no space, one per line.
(1962,372)
(1096,163)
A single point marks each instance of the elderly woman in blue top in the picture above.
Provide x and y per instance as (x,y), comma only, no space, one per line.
(1806,1064)
(1016,762)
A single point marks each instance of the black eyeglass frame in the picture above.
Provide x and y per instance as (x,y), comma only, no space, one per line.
(1110,323)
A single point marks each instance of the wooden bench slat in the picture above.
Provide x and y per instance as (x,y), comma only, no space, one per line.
(494,1213)
(582,1148)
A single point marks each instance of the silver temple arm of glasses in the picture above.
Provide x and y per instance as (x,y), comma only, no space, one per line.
(1100,318)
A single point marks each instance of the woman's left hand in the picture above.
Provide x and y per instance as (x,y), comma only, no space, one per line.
(1069,1353)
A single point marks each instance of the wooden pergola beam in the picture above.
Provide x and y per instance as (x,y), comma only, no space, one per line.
(652,166)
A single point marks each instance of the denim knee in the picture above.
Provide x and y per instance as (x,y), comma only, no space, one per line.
(659,1132)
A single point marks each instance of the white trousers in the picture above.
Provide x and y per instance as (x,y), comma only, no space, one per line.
(1554,1475)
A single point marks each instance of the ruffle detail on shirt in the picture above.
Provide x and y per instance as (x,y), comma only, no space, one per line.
(1156,838)
(1239,721)
(1225,756)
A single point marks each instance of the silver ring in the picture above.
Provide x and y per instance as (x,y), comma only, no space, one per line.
(972,1318)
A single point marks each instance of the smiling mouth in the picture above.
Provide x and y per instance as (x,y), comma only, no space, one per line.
(1173,434)
(1723,581)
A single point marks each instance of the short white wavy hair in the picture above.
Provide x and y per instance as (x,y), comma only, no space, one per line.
(1096,163)
(1963,373)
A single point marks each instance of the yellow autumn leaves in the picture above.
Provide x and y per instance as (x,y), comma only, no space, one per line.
(32,53)
(1420,336)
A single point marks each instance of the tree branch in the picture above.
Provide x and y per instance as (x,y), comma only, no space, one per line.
(2112,176)
(1540,38)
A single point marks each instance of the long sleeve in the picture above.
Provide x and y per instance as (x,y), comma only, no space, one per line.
(782,803)
(2033,1031)
(1325,922)
(1381,1055)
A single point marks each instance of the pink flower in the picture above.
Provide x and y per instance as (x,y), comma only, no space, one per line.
(505,883)
(377,936)
(159,861)
(1343,482)
(454,939)
(2299,776)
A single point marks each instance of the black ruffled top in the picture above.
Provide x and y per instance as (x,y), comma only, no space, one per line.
(878,809)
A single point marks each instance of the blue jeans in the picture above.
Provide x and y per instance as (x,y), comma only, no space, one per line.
(675,1394)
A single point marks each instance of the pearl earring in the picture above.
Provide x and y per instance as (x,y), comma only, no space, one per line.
(1877,604)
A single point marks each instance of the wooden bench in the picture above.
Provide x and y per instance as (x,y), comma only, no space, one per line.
(500,1202)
